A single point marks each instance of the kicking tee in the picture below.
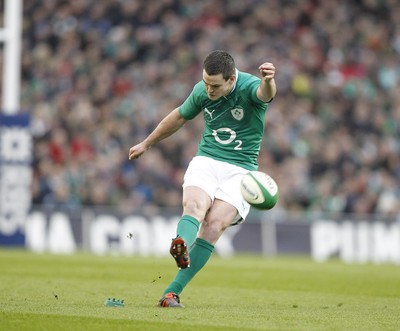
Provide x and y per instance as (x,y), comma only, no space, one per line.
(233,125)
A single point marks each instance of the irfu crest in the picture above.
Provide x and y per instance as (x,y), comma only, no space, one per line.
(237,113)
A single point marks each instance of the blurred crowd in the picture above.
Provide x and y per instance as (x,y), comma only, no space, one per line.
(98,76)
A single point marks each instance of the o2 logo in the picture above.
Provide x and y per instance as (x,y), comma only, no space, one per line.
(231,138)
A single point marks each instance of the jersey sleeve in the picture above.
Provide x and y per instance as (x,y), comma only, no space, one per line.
(253,83)
(192,106)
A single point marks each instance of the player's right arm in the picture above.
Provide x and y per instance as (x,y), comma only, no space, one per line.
(169,125)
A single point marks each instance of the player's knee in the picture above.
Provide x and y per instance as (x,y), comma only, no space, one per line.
(195,209)
(211,230)
(214,223)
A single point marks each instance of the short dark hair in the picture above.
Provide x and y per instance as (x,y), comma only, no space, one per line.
(219,62)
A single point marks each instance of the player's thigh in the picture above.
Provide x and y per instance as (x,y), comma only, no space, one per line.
(220,216)
(196,202)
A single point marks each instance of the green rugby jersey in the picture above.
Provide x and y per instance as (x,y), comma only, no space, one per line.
(233,125)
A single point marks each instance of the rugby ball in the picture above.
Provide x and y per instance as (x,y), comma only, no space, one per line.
(259,190)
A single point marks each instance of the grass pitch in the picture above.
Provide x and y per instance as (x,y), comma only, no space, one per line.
(48,292)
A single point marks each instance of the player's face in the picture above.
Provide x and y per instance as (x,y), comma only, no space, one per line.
(217,86)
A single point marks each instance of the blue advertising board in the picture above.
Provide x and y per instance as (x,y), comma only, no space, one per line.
(15,177)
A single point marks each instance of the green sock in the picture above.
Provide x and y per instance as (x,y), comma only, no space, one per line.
(187,229)
(199,255)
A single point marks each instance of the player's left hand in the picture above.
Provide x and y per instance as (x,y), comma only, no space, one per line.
(267,70)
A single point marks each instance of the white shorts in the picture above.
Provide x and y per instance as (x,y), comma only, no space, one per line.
(220,180)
